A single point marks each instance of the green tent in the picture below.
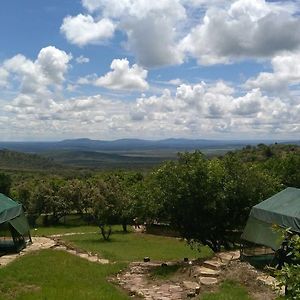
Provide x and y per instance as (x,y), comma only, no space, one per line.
(14,228)
(282,209)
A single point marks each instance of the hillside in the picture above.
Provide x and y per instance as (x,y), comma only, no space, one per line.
(12,160)
(102,160)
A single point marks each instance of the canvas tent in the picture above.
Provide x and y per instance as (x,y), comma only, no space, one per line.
(14,228)
(282,209)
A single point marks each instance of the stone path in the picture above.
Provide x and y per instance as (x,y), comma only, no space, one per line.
(40,243)
(135,278)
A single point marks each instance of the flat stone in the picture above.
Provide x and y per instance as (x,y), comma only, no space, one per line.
(103,261)
(208,280)
(229,256)
(83,255)
(213,264)
(191,285)
(207,272)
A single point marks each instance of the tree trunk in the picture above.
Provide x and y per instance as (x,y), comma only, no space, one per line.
(105,231)
(124,226)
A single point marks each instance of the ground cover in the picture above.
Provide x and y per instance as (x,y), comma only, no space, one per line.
(135,246)
(62,229)
(229,290)
(50,274)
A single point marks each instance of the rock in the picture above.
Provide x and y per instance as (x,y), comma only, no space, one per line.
(213,264)
(191,285)
(191,294)
(207,272)
(208,280)
(229,256)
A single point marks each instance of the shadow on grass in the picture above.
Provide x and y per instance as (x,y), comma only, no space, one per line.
(164,271)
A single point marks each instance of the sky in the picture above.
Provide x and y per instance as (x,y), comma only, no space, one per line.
(110,69)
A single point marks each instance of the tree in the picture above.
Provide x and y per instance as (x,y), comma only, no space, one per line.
(5,184)
(206,200)
(104,205)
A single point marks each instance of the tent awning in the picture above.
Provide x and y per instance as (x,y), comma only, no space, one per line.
(282,209)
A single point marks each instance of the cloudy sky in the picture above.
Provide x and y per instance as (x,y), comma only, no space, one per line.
(108,69)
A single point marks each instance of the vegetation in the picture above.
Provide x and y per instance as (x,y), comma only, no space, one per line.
(136,246)
(289,274)
(229,290)
(52,275)
(206,201)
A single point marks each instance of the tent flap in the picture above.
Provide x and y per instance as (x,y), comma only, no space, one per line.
(20,223)
(261,233)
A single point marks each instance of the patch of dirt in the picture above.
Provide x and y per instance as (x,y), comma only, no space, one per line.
(139,281)
(247,275)
(14,289)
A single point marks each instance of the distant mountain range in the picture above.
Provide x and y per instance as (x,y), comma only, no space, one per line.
(130,145)
(118,154)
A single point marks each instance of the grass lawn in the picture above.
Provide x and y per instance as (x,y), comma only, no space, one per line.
(228,291)
(135,246)
(50,274)
(60,229)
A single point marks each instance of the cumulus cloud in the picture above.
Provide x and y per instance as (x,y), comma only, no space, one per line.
(123,77)
(82,59)
(248,28)
(202,109)
(3,77)
(84,29)
(150,27)
(286,73)
(38,78)
(166,32)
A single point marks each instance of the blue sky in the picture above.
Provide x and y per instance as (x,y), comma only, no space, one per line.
(149,69)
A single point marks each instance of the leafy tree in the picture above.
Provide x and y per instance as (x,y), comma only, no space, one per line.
(205,200)
(5,184)
(289,274)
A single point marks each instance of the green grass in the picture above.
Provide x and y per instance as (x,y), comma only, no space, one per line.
(134,247)
(60,229)
(229,290)
(50,274)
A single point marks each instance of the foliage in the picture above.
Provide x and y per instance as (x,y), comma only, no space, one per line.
(289,274)
(5,184)
(206,200)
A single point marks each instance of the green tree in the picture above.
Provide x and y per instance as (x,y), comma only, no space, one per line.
(289,274)
(5,184)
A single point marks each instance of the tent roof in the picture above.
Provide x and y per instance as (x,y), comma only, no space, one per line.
(9,209)
(282,209)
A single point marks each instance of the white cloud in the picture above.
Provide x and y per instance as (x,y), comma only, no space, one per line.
(37,79)
(124,77)
(3,77)
(286,73)
(248,28)
(166,32)
(199,110)
(150,27)
(84,29)
(82,59)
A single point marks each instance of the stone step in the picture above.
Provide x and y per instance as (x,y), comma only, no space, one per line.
(213,264)
(228,256)
(208,280)
(207,272)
